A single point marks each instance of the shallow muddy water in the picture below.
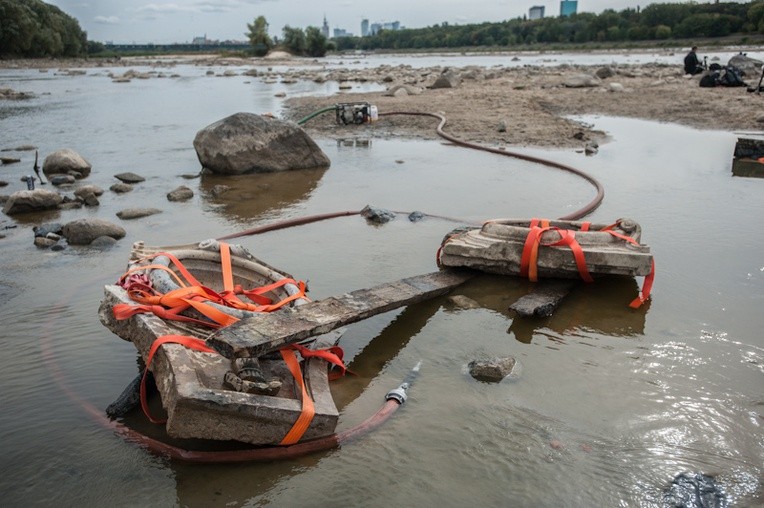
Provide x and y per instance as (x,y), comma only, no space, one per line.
(610,404)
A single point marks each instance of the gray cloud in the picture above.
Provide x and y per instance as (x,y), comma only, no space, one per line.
(106,20)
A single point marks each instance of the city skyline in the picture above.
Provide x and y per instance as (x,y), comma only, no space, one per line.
(178,21)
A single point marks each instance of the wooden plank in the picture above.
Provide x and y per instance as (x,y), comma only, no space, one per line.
(544,298)
(263,333)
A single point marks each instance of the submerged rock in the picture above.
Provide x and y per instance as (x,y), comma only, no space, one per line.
(493,370)
(377,215)
(137,213)
(694,490)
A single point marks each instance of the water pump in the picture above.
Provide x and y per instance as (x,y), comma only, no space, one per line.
(355,113)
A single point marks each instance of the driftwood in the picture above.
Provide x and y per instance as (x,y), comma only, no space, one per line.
(262,333)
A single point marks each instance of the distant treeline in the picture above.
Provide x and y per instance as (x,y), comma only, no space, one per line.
(31,28)
(654,22)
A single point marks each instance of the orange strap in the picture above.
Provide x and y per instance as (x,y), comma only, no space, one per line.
(170,305)
(568,239)
(332,355)
(647,286)
(308,408)
(185,340)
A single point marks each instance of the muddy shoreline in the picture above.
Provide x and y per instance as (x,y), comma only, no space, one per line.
(498,106)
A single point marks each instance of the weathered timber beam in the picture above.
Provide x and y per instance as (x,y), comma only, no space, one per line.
(263,333)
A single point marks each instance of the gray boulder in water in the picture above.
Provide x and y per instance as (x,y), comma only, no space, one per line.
(248,143)
(750,66)
(66,162)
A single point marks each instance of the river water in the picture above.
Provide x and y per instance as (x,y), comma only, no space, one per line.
(610,403)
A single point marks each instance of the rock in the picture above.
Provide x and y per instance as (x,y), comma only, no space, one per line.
(463,302)
(48,228)
(591,148)
(694,490)
(44,243)
(85,231)
(9,160)
(492,370)
(62,180)
(750,66)
(129,178)
(377,215)
(31,201)
(20,148)
(58,247)
(121,188)
(88,189)
(581,81)
(89,199)
(103,242)
(502,127)
(416,216)
(448,79)
(605,72)
(66,162)
(248,143)
(3,183)
(219,190)
(137,213)
(182,193)
(402,91)
(615,87)
(760,119)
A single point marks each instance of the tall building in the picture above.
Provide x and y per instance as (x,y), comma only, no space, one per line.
(568,7)
(365,28)
(325,28)
(536,12)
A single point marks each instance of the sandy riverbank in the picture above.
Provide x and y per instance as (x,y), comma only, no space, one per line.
(533,103)
(530,103)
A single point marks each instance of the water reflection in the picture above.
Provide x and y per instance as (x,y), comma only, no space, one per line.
(601,307)
(242,198)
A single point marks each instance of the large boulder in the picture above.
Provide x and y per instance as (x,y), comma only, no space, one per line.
(66,162)
(248,143)
(750,66)
(581,81)
(84,231)
(32,201)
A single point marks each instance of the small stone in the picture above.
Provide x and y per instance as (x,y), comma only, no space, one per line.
(121,188)
(492,370)
(137,213)
(182,193)
(43,243)
(377,215)
(556,444)
(219,190)
(62,180)
(502,126)
(46,229)
(463,302)
(416,216)
(129,178)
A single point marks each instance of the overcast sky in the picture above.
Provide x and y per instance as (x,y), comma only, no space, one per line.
(167,21)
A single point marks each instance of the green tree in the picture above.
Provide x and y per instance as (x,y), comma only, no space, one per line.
(294,40)
(32,28)
(315,42)
(258,36)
